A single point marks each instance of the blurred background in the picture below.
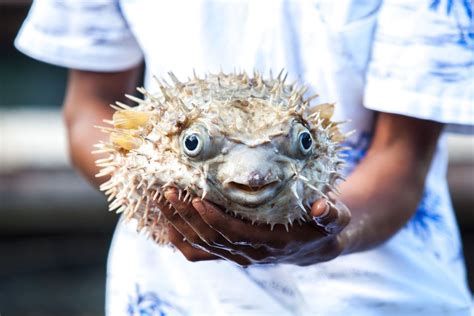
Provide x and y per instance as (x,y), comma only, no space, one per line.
(54,228)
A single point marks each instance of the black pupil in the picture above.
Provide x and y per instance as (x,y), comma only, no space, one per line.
(191,142)
(306,140)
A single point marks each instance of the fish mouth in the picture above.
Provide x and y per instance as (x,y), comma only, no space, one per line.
(252,196)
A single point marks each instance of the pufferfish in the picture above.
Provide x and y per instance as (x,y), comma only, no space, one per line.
(254,146)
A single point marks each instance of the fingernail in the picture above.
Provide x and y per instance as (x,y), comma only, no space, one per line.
(170,195)
(320,217)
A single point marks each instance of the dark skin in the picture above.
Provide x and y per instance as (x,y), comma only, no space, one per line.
(86,105)
(217,235)
(382,193)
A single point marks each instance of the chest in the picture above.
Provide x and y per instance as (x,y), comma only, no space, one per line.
(315,41)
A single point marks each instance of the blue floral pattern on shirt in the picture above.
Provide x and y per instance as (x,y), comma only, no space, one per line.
(358,149)
(428,222)
(466,4)
(149,304)
(426,217)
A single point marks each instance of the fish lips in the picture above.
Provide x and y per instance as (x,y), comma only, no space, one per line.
(252,197)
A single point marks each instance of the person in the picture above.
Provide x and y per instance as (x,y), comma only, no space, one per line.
(399,69)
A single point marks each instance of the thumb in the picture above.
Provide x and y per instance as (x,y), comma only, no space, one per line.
(332,216)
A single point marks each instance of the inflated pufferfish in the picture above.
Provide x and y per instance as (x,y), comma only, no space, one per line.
(254,146)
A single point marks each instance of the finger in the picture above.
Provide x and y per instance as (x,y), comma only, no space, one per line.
(328,249)
(320,209)
(207,234)
(216,243)
(321,213)
(192,246)
(193,220)
(190,252)
(333,215)
(180,225)
(193,254)
(239,232)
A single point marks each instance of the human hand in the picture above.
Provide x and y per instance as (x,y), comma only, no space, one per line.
(201,231)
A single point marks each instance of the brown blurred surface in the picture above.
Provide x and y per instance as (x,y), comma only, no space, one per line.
(461,185)
(12,13)
(54,237)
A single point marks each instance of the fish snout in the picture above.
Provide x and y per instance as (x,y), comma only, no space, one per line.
(253,188)
(257,179)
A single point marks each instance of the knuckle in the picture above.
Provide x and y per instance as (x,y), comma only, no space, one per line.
(342,208)
(192,256)
(344,216)
(242,262)
(187,215)
(346,220)
(173,238)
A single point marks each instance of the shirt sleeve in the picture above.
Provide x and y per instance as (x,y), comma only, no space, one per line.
(88,35)
(422,62)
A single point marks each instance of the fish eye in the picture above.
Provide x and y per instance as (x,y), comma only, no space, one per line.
(300,143)
(192,144)
(305,142)
(198,143)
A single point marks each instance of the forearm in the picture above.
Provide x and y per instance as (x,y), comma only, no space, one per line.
(86,105)
(384,190)
(82,135)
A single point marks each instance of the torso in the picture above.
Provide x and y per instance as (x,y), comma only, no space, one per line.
(419,271)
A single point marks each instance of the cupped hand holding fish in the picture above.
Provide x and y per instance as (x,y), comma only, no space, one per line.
(202,231)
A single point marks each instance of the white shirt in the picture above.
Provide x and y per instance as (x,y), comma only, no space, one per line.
(399,56)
